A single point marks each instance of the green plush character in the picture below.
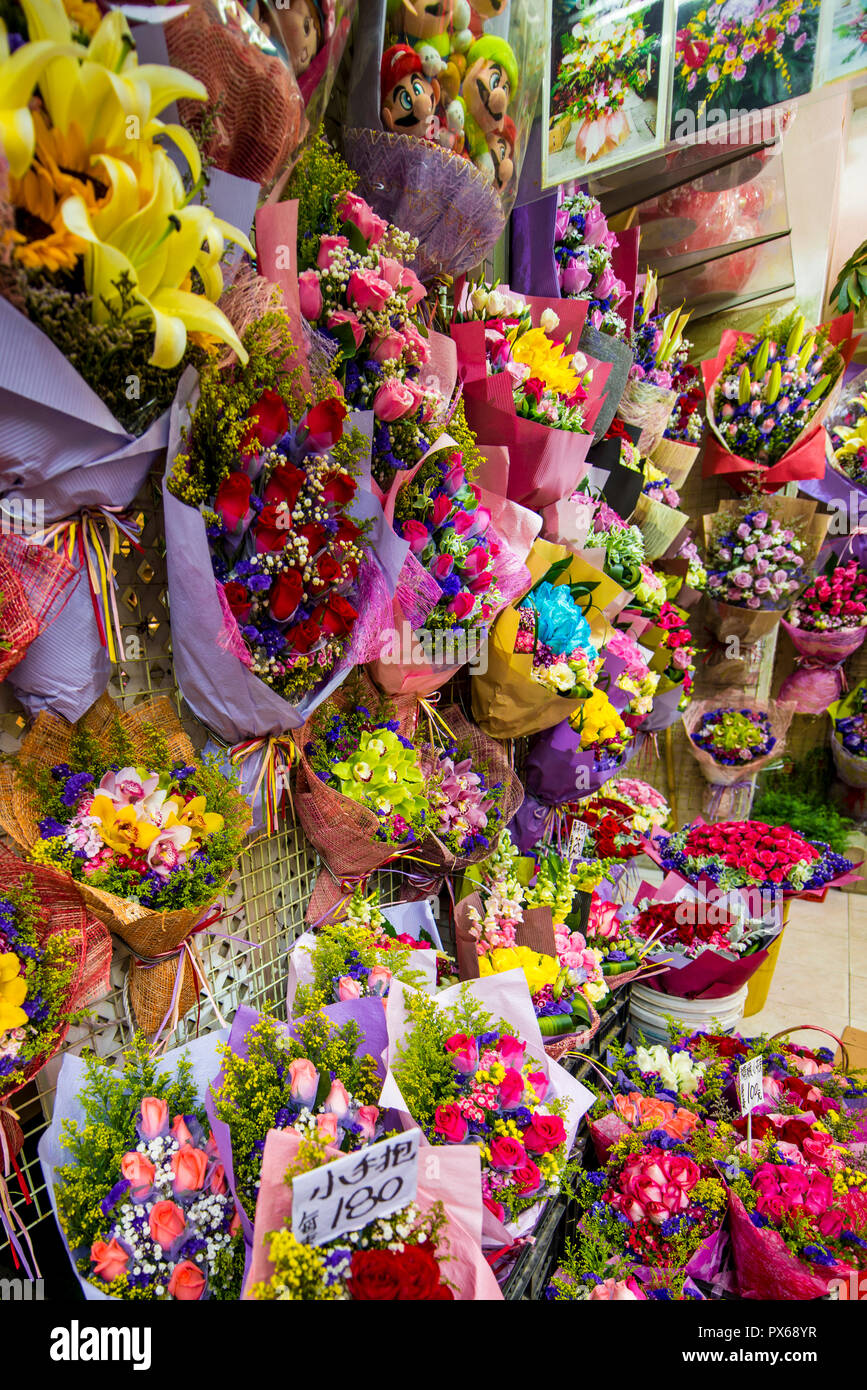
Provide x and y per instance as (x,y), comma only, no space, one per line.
(490,82)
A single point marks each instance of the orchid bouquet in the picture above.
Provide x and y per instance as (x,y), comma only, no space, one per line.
(750,854)
(37,969)
(757,562)
(312,1077)
(107,252)
(480,1087)
(276,483)
(582,249)
(770,388)
(833,602)
(734,737)
(553,629)
(360,294)
(143,1201)
(466,808)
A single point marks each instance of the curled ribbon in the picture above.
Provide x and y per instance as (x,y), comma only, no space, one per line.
(8,1214)
(79,538)
(273,778)
(428,704)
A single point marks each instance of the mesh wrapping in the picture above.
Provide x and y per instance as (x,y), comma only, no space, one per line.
(675,459)
(720,774)
(18,624)
(764,1265)
(60,911)
(649,407)
(148,933)
(260,119)
(827,647)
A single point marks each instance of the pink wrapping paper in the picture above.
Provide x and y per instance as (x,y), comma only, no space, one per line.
(455,1181)
(766,1268)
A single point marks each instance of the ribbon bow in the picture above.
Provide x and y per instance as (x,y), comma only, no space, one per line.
(273,778)
(81,537)
(8,1214)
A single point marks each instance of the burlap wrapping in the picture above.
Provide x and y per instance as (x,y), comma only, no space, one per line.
(342,830)
(490,758)
(721,774)
(675,459)
(649,407)
(61,911)
(260,120)
(149,934)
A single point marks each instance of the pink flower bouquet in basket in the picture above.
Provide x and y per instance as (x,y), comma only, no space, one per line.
(827,623)
(429,1250)
(526,386)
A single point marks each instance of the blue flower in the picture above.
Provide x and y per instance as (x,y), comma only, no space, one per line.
(561,624)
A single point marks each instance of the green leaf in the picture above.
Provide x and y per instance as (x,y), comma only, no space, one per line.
(354,237)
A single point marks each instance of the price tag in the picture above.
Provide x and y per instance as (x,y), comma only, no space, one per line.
(576,839)
(351,1192)
(750,1087)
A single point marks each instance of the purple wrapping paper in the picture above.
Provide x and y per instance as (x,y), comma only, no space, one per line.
(528,824)
(61,446)
(553,763)
(369,1014)
(225,695)
(664,712)
(842,495)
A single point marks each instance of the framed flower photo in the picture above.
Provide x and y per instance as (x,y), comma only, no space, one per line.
(842,40)
(606,86)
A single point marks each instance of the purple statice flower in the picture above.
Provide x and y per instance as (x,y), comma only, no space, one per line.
(49,827)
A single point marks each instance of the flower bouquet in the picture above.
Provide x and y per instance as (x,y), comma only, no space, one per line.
(849,736)
(732,738)
(459,1069)
(623,957)
(749,854)
(657,513)
(659,349)
(361,792)
(355,953)
(148,833)
(467,549)
(679,447)
(674,653)
(757,558)
(429,1250)
(827,624)
(583,251)
(528,388)
(98,310)
(135,1182)
(574,759)
(35,586)
(767,396)
(637,680)
(543,654)
(617,468)
(621,815)
(315,1075)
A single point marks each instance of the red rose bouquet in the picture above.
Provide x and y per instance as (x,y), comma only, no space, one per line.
(750,854)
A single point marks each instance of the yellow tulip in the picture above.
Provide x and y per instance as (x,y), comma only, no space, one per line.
(13,992)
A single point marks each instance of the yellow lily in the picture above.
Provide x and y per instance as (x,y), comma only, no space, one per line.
(193,815)
(120,828)
(156,245)
(19,73)
(13,992)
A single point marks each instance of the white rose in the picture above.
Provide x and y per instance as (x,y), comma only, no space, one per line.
(549,320)
(496,304)
(479,300)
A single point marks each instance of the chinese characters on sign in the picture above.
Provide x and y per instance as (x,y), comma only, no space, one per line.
(351,1192)
(750,1087)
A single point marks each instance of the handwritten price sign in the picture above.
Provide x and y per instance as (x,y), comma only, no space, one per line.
(576,840)
(351,1192)
(750,1087)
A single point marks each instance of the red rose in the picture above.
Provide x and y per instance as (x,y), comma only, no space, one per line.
(339,488)
(268,422)
(271,530)
(325,423)
(315,535)
(328,569)
(304,636)
(238,599)
(374,1275)
(527,1179)
(442,1291)
(285,484)
(347,531)
(233,501)
(286,594)
(419,1274)
(336,615)
(543,1133)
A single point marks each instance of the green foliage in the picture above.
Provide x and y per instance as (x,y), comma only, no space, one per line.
(423,1069)
(330,960)
(318,180)
(226,1274)
(111,1104)
(48,973)
(850,288)
(799,798)
(254,1088)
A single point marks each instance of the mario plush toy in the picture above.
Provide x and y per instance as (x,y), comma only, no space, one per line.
(408,98)
(501,147)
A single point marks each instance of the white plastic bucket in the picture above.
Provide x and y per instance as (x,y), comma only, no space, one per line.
(648,1008)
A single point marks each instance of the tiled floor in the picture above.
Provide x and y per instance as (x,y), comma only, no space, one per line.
(821,974)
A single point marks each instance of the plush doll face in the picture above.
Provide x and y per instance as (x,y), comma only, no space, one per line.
(501,150)
(408,106)
(300,30)
(430,17)
(486,91)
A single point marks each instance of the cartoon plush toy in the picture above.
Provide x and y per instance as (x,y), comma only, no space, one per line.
(409,99)
(435,29)
(490,82)
(501,147)
(299,26)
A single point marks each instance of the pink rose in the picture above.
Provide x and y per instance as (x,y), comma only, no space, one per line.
(450,1123)
(344,318)
(303,1081)
(416,290)
(830,1223)
(189,1167)
(544,1133)
(327,246)
(181,1132)
(337,1100)
(187,1283)
(139,1173)
(109,1261)
(539,1084)
(464,1053)
(442,510)
(511,1050)
(154,1122)
(393,400)
(417,344)
(217,1180)
(326,1127)
(461,606)
(166,1224)
(442,566)
(507,1153)
(379,980)
(310,295)
(355,210)
(417,534)
(368,291)
(348,988)
(387,347)
(511,1090)
(527,1179)
(616,1290)
(366,1117)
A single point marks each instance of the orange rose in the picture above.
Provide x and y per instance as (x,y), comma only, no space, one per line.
(154,1118)
(189,1167)
(187,1282)
(139,1173)
(166,1222)
(109,1261)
